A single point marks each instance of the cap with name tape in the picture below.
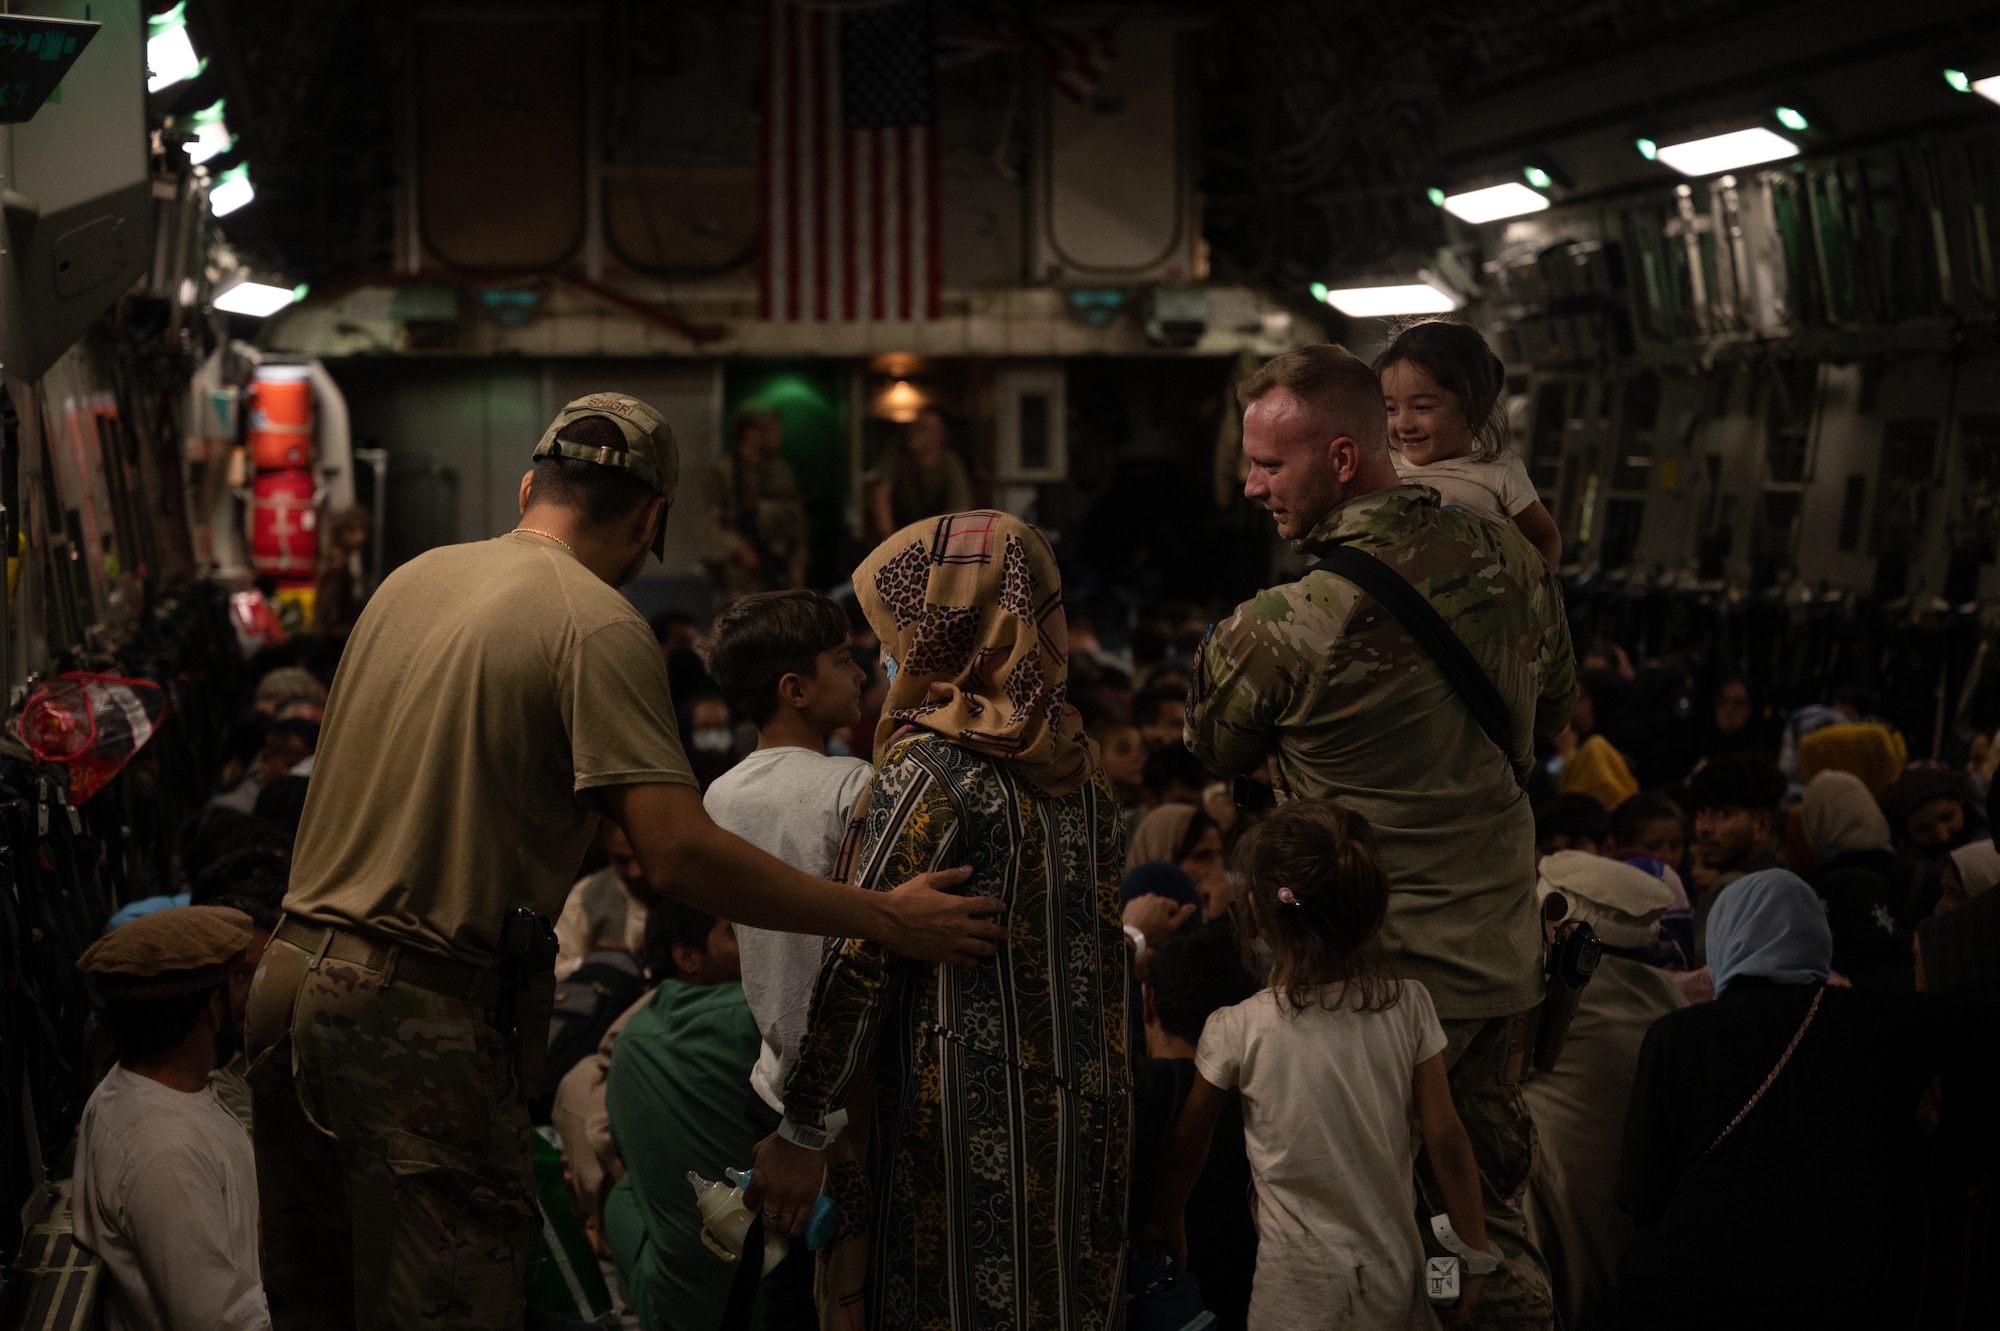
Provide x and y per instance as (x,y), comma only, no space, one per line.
(651,453)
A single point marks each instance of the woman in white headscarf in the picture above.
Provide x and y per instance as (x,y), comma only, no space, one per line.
(1958,951)
(1772,1147)
(1968,872)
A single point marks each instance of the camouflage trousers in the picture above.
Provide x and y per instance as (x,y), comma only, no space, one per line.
(1518,1296)
(393,1167)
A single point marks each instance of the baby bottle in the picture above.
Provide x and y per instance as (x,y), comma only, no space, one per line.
(725,1221)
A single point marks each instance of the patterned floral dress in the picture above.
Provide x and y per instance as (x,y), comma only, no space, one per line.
(999,1154)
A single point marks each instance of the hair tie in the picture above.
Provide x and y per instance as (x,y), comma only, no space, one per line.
(1289,897)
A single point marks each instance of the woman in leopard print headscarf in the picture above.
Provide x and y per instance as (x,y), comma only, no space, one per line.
(969,609)
(997,1163)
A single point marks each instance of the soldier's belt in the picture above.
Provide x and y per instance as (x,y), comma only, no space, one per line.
(478,986)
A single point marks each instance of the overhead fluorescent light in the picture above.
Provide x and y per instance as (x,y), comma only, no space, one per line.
(1384,302)
(231,191)
(1790,118)
(1494,202)
(1959,80)
(1726,152)
(1988,87)
(1537,177)
(255,299)
(170,56)
(211,134)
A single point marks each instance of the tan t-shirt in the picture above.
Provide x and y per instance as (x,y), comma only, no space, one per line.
(1498,490)
(486,688)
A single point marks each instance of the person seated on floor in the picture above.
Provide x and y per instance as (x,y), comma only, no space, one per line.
(1189,975)
(1652,826)
(1735,806)
(165,1192)
(1160,713)
(291,691)
(1572,822)
(1958,950)
(578,1111)
(289,749)
(675,1098)
(606,910)
(1172,775)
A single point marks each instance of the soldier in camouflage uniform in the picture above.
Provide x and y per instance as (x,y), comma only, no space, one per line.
(1321,680)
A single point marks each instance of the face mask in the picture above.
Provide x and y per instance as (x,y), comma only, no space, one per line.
(714,739)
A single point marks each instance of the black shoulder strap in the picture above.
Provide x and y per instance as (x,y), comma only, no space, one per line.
(743,1285)
(1414,611)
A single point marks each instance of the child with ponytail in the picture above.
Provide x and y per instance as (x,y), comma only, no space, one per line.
(1335,1058)
(1446,394)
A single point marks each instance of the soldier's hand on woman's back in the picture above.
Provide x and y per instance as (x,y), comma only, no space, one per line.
(934,923)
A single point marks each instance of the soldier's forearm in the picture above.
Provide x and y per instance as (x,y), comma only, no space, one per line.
(687,857)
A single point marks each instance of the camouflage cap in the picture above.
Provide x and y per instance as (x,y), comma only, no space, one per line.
(651,452)
(179,950)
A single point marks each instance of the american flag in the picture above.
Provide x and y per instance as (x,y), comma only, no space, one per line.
(850,163)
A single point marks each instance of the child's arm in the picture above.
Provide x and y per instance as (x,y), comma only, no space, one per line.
(1540,529)
(1181,1160)
(1456,1170)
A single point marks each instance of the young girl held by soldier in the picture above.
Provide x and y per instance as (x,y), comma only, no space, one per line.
(1446,394)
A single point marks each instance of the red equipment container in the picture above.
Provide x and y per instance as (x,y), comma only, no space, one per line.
(281,421)
(284,524)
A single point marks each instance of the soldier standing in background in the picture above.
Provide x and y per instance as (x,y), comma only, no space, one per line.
(495,700)
(921,479)
(1325,683)
(755,520)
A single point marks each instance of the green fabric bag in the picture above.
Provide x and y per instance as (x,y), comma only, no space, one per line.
(565,1279)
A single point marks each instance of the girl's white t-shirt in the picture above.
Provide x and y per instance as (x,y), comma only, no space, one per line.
(1498,490)
(1327,1113)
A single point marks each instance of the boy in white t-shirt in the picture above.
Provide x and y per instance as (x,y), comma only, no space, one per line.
(782,658)
(1445,392)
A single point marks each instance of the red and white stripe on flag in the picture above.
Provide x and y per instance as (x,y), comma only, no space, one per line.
(850,215)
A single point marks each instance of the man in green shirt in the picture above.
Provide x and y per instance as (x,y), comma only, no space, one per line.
(1318,678)
(675,1096)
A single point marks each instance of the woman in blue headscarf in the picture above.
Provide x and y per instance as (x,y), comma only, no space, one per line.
(1773,1161)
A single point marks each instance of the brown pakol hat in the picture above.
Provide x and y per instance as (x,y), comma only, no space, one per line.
(179,950)
(651,452)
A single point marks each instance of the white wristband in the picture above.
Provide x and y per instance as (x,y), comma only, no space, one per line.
(813,1139)
(1476,1262)
(1138,941)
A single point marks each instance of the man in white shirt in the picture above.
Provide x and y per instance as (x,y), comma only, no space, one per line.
(783,659)
(166,1185)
